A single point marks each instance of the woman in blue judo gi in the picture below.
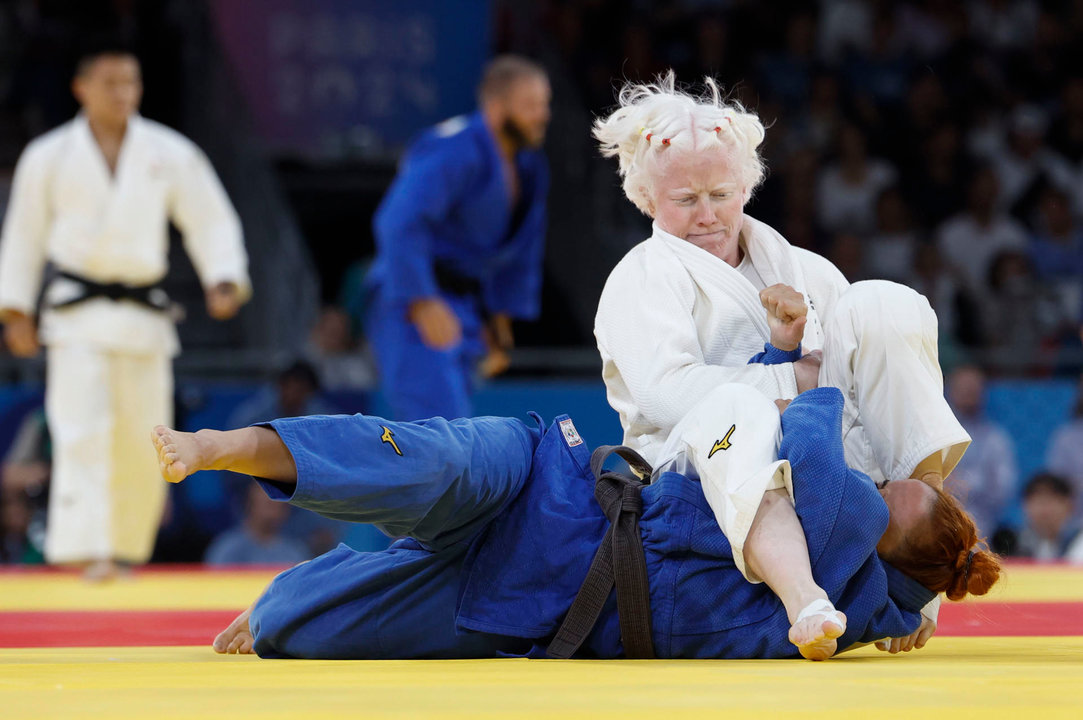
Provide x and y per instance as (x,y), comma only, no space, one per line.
(500,526)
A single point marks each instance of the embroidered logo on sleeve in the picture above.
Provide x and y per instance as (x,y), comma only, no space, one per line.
(389,437)
(571,435)
(723,444)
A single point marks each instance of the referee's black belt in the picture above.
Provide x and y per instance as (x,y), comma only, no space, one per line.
(619,561)
(454,282)
(152,296)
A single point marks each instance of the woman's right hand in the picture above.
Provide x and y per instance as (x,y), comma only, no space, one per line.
(786,315)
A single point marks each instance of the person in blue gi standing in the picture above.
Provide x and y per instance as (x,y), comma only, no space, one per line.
(459,246)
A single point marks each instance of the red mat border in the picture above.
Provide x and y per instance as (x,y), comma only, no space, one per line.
(150,628)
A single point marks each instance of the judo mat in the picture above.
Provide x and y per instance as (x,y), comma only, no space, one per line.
(140,648)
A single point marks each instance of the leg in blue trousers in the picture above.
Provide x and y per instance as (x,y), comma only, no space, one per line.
(438,482)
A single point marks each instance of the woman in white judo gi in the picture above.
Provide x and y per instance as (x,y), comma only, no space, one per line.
(683,311)
(94,197)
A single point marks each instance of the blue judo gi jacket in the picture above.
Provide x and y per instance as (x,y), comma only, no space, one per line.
(448,206)
(530,565)
(503,526)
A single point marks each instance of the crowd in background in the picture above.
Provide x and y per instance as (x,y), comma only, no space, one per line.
(932,142)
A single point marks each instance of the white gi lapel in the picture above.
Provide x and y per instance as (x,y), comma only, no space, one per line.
(716,275)
(84,187)
(774,260)
(123,183)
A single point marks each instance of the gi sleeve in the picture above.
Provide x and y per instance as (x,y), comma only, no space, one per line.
(209,224)
(771,355)
(26,229)
(650,347)
(516,288)
(430,184)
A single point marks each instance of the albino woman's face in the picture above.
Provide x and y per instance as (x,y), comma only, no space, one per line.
(698,197)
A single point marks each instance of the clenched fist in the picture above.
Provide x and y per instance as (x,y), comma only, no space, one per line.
(786,315)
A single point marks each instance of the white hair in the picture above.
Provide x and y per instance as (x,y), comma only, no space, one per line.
(657,118)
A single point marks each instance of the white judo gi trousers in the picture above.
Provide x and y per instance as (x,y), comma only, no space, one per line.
(881,352)
(107,497)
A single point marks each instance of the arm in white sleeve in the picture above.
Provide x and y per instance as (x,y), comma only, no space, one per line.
(649,343)
(26,229)
(210,226)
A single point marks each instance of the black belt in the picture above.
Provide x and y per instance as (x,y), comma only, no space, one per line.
(619,561)
(455,283)
(152,296)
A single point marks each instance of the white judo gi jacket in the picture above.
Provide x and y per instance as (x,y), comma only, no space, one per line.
(67,208)
(674,322)
(109,375)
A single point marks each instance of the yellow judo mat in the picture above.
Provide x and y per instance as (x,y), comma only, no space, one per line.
(961,675)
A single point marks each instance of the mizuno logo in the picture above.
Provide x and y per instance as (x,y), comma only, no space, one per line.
(723,444)
(389,437)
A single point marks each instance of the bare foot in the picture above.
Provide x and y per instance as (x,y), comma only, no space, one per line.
(816,630)
(178,453)
(100,571)
(237,638)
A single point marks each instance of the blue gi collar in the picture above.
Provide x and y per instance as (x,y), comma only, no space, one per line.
(908,593)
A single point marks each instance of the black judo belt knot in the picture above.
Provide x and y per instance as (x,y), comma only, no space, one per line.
(152,296)
(620,561)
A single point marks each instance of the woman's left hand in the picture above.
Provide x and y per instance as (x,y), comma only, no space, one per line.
(914,641)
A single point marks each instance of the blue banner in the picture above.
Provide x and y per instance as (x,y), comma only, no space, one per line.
(335,78)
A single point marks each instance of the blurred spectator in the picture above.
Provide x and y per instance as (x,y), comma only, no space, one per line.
(846,191)
(970,240)
(1066,133)
(1020,314)
(24,491)
(818,124)
(335,354)
(889,252)
(935,179)
(1049,532)
(956,307)
(845,27)
(879,75)
(1026,165)
(848,254)
(16,523)
(986,477)
(787,73)
(258,539)
(295,393)
(1056,251)
(1003,25)
(926,27)
(1065,454)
